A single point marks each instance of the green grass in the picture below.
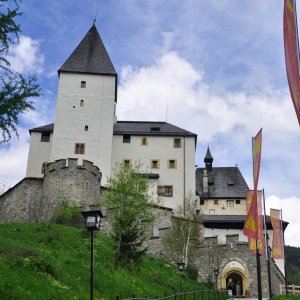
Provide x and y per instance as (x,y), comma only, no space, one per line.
(286,297)
(49,261)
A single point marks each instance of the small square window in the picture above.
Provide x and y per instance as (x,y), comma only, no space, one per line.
(216,201)
(126,163)
(144,141)
(45,137)
(212,211)
(177,143)
(126,138)
(83,84)
(172,164)
(230,203)
(79,148)
(154,164)
(237,201)
(86,128)
(165,190)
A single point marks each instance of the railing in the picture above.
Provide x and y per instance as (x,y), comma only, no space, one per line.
(292,289)
(191,295)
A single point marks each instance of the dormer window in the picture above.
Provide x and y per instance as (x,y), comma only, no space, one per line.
(83,84)
(155,128)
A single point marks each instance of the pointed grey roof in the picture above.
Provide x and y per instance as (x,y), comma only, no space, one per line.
(208,157)
(90,56)
(223,182)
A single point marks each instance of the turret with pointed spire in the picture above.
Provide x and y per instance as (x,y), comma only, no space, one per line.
(208,159)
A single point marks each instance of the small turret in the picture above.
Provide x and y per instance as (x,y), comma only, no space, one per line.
(208,159)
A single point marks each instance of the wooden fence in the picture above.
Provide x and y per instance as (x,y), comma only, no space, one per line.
(292,289)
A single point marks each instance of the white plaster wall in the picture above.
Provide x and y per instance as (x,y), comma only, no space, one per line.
(161,148)
(97,113)
(39,152)
(222,209)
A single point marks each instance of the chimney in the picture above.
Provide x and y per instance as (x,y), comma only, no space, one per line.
(205,183)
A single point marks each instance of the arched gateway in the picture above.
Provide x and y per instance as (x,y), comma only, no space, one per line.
(234,277)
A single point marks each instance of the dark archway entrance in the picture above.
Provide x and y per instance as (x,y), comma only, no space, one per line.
(234,281)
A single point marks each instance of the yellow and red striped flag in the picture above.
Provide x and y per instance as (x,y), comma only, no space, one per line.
(291,49)
(277,245)
(260,228)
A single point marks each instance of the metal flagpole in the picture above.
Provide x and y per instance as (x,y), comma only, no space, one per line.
(283,245)
(267,247)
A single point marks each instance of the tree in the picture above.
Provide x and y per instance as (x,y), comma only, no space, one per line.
(181,241)
(15,89)
(130,212)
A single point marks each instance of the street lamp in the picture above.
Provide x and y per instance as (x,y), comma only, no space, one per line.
(216,272)
(181,267)
(92,222)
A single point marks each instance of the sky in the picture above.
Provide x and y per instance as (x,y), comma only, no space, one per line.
(213,67)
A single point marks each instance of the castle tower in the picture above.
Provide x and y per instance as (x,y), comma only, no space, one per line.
(85,110)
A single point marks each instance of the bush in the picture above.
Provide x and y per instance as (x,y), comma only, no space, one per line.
(192,272)
(68,214)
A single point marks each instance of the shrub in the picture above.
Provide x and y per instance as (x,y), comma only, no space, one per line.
(192,272)
(68,214)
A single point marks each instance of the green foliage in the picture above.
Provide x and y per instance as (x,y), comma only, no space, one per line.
(182,240)
(292,255)
(130,212)
(15,89)
(191,272)
(60,270)
(68,214)
(286,297)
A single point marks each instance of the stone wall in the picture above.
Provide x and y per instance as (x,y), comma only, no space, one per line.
(35,199)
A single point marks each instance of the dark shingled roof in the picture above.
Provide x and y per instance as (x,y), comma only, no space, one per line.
(90,56)
(149,128)
(45,128)
(136,128)
(223,182)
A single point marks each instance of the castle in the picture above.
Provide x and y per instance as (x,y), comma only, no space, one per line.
(74,157)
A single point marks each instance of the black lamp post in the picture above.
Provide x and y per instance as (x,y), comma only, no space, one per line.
(181,267)
(92,222)
(216,272)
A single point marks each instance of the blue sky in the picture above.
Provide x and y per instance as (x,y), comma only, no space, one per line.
(216,66)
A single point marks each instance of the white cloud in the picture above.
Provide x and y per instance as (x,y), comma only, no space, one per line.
(291,208)
(25,56)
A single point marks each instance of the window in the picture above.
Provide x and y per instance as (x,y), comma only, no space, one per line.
(154,163)
(86,128)
(81,102)
(126,163)
(230,203)
(144,141)
(45,137)
(216,201)
(126,138)
(79,148)
(212,211)
(177,143)
(165,190)
(83,84)
(172,164)
(237,201)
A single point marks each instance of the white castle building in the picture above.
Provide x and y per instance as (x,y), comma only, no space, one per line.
(86,137)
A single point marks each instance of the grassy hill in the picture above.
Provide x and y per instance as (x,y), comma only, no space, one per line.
(48,261)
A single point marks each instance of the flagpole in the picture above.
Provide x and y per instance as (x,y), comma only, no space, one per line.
(284,261)
(267,246)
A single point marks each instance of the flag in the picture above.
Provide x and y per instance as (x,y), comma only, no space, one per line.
(290,32)
(256,152)
(277,245)
(260,228)
(251,223)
